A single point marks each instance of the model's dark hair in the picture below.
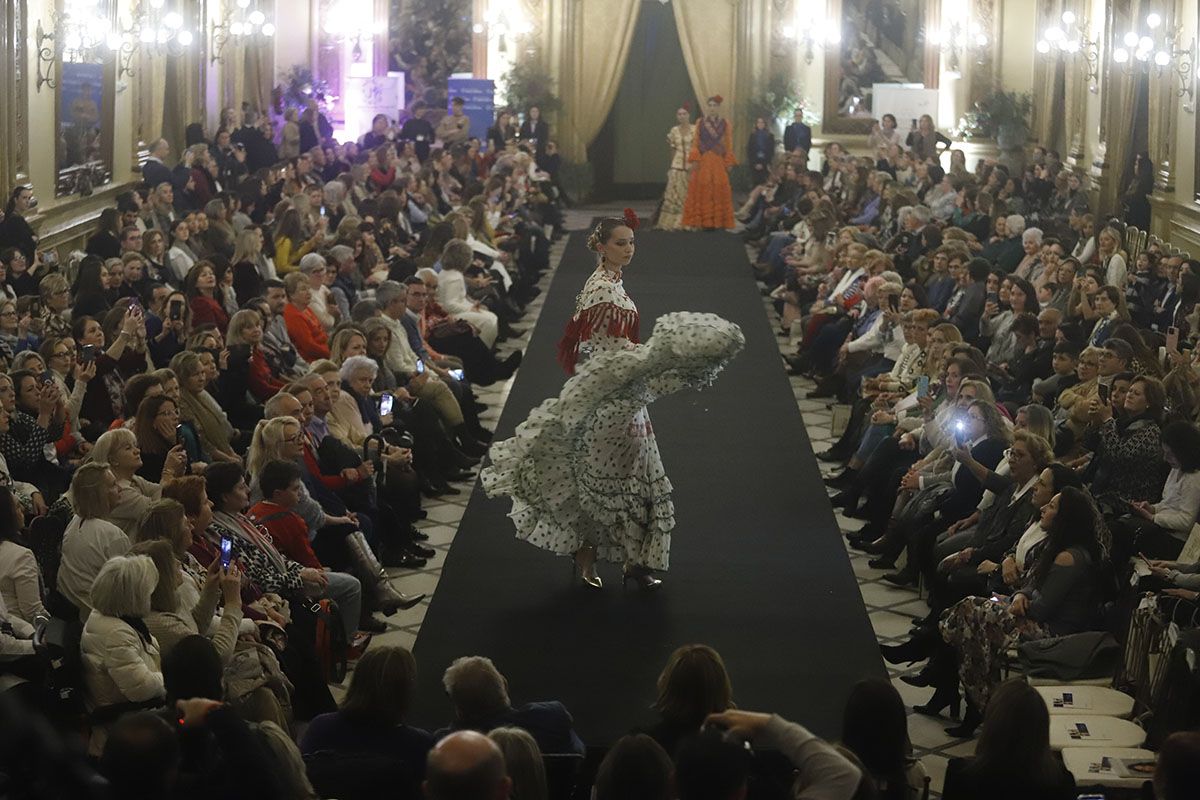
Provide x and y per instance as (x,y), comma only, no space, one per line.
(604,231)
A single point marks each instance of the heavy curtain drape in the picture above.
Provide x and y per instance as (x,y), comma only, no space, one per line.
(1119,92)
(602,35)
(708,32)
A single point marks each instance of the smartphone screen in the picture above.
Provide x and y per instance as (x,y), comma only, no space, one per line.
(87,354)
(226,551)
(420,367)
(923,386)
(894,302)
(176,309)
(457,374)
(179,433)
(1104,392)
(385,404)
(1172,339)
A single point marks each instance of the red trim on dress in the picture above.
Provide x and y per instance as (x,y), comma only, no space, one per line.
(603,319)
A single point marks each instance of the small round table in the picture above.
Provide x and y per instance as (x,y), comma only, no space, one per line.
(1089,701)
(1106,732)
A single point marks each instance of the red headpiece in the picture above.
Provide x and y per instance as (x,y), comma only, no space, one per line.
(716,98)
(687,105)
(631,220)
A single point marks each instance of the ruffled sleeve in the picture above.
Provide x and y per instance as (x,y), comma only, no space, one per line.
(604,320)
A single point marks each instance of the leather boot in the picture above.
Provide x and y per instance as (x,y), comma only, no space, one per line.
(374,578)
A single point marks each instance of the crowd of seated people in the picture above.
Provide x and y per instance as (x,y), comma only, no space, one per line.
(1022,395)
(220,419)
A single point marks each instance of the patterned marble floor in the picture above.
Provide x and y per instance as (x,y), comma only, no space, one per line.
(891,610)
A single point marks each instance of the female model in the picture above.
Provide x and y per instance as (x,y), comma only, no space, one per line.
(709,202)
(670,216)
(584,470)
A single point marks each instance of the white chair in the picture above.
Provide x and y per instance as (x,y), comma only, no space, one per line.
(1087,701)
(1084,764)
(1104,732)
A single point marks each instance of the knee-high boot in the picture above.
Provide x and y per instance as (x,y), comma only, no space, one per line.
(375,579)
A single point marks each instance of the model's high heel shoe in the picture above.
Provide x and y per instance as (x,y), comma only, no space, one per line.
(641,576)
(586,573)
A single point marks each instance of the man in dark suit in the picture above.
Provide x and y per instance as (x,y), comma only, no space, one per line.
(535,131)
(479,694)
(155,170)
(797,136)
(260,152)
(418,130)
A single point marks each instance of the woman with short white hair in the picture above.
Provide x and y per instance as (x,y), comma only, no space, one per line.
(120,655)
(1030,266)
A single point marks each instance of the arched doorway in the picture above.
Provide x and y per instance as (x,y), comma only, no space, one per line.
(630,155)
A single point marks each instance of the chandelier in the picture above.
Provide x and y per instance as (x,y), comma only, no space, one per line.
(1072,40)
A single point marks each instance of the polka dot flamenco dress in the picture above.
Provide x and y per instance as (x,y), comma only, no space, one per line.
(584,468)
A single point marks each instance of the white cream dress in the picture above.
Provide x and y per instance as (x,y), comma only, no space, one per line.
(584,468)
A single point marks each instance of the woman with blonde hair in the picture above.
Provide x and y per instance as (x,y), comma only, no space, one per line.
(118,449)
(198,407)
(90,540)
(523,762)
(348,341)
(246,356)
(179,607)
(692,685)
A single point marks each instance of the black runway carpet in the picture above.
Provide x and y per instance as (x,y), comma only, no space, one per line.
(757,567)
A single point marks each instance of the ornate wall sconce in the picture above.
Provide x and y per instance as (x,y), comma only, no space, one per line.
(240,24)
(1073,40)
(47,56)
(812,31)
(1155,46)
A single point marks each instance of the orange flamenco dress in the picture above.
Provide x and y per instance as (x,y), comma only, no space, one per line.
(709,199)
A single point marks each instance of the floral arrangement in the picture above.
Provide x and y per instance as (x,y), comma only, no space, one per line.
(298,85)
(527,83)
(999,113)
(430,40)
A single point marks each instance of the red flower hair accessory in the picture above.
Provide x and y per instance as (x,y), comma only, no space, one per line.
(631,219)
(716,98)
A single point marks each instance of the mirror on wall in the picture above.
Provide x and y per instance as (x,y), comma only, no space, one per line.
(882,41)
(83,110)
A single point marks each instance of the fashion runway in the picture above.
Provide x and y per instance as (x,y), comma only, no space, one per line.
(758,570)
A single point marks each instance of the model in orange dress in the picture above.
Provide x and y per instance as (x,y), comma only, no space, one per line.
(709,202)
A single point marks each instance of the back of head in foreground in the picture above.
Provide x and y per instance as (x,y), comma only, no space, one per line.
(466,766)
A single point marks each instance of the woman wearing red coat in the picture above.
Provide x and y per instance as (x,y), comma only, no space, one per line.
(200,286)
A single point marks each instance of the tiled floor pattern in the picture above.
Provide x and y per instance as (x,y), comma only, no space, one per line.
(891,610)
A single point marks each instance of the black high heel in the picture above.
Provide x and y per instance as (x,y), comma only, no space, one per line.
(914,650)
(943,698)
(970,722)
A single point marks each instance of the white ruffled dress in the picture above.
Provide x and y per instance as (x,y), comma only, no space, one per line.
(584,468)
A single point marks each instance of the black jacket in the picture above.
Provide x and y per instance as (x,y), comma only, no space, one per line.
(797,135)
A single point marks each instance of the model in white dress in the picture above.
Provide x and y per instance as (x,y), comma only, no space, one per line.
(583,471)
